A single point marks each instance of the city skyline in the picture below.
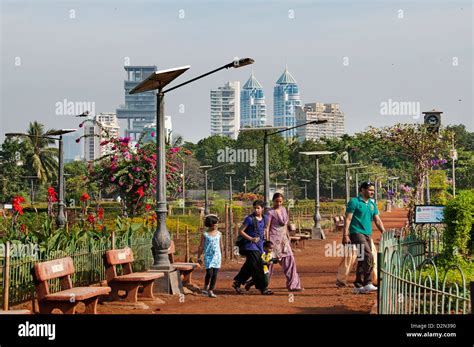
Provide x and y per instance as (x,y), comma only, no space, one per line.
(406,59)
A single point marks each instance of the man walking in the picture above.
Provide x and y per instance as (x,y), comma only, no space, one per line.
(360,213)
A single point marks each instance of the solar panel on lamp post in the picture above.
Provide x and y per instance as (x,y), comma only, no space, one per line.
(158,81)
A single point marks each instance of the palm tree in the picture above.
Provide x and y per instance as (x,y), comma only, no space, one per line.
(41,159)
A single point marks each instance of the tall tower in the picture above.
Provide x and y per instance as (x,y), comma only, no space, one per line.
(225,110)
(253,110)
(286,97)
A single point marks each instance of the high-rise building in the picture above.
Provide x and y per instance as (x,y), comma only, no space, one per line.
(225,110)
(72,149)
(286,97)
(139,109)
(110,129)
(253,110)
(334,127)
(149,131)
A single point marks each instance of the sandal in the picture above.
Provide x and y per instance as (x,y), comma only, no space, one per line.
(236,287)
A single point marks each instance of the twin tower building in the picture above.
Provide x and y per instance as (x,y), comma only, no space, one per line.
(233,108)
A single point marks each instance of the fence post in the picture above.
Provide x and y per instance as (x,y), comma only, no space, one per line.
(187,245)
(177,230)
(379,279)
(472,297)
(231,235)
(6,276)
(226,243)
(113,240)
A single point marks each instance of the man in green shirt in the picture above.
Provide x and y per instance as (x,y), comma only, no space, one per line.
(360,213)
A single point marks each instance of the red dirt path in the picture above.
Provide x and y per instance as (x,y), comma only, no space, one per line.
(318,275)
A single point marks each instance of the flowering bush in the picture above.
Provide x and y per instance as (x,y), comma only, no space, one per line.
(52,198)
(130,171)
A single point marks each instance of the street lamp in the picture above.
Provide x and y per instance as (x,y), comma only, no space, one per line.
(207,168)
(230,174)
(356,178)
(317,232)
(332,190)
(60,219)
(305,188)
(269,131)
(157,81)
(347,166)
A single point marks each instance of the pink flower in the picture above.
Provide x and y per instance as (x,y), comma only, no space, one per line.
(152,134)
(78,140)
(174,149)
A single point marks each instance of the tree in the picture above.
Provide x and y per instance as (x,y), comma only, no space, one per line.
(10,172)
(41,159)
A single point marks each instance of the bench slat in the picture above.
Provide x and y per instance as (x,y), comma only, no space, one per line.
(54,268)
(119,256)
(78,293)
(139,276)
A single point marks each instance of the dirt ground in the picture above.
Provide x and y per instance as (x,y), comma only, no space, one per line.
(318,276)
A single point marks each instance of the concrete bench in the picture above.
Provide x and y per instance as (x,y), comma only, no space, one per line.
(185,269)
(67,299)
(127,280)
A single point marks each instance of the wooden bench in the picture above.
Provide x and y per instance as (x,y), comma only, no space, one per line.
(303,237)
(185,269)
(339,222)
(128,281)
(67,299)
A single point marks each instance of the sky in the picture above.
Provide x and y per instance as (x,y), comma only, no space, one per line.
(360,54)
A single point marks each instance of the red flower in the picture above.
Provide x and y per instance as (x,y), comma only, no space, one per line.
(52,195)
(174,149)
(152,134)
(90,218)
(147,207)
(23,228)
(140,192)
(85,197)
(17,204)
(100,213)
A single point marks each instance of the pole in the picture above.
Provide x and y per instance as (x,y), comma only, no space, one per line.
(184,194)
(61,220)
(454,169)
(356,184)
(266,174)
(6,276)
(305,191)
(317,232)
(161,238)
(347,185)
(332,192)
(428,198)
(206,196)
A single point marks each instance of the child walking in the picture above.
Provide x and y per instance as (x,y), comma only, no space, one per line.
(211,246)
(267,259)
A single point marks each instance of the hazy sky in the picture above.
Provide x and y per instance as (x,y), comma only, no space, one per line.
(356,53)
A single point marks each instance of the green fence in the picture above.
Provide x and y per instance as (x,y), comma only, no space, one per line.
(88,264)
(409,281)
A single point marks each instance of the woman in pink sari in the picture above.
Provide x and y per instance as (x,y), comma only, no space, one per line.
(277,232)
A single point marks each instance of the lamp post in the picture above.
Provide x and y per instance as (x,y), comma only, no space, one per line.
(245,184)
(346,172)
(453,153)
(332,190)
(269,131)
(287,180)
(206,169)
(184,193)
(230,174)
(50,135)
(157,81)
(317,232)
(305,188)
(356,178)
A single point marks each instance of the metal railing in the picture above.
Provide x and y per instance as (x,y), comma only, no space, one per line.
(18,286)
(409,280)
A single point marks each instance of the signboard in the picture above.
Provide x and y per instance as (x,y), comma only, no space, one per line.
(429,214)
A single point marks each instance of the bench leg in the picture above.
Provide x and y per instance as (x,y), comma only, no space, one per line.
(147,290)
(45,307)
(130,287)
(91,305)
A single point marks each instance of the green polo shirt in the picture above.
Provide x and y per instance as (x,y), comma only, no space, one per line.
(362,215)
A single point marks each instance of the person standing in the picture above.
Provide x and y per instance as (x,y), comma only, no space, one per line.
(211,246)
(360,213)
(277,232)
(252,232)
